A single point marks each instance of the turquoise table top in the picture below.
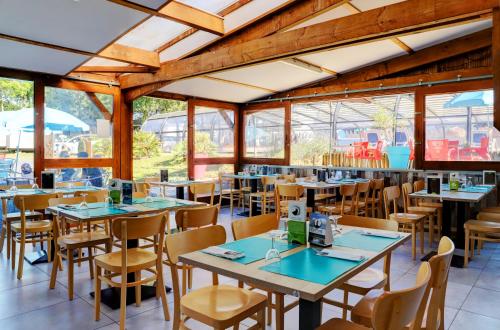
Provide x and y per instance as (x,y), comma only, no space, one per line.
(65,190)
(472,189)
(255,248)
(306,265)
(355,239)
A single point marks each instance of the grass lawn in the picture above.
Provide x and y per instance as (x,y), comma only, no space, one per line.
(148,167)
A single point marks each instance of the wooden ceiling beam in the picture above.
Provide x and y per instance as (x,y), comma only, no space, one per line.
(102,108)
(182,13)
(404,17)
(496,67)
(113,69)
(131,55)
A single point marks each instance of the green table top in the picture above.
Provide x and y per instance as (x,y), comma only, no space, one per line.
(255,248)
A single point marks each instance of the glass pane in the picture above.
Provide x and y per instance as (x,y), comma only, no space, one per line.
(160,138)
(211,171)
(214,132)
(16,130)
(97,176)
(459,127)
(78,124)
(265,134)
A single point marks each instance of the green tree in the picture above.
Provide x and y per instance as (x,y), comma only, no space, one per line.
(15,94)
(145,145)
(203,145)
(310,152)
(145,107)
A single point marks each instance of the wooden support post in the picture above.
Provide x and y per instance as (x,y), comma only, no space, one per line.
(496,67)
(39,107)
(125,133)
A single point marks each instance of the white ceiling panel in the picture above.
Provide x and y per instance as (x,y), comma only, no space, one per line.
(338,12)
(276,76)
(17,55)
(213,6)
(154,4)
(426,39)
(86,25)
(249,12)
(213,89)
(187,45)
(370,4)
(153,33)
(97,61)
(349,58)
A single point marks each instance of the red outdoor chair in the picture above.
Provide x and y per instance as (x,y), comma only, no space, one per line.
(436,150)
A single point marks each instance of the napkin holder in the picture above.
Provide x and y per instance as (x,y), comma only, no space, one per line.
(127,191)
(297,232)
(320,230)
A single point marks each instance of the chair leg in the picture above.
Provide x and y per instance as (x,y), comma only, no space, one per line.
(190,278)
(261,319)
(269,308)
(49,247)
(9,239)
(71,266)
(280,311)
(97,291)
(163,294)
(123,301)
(431,230)
(91,262)
(2,237)
(466,252)
(184,280)
(13,252)
(345,302)
(55,265)
(250,206)
(439,222)
(137,289)
(20,265)
(422,237)
(413,241)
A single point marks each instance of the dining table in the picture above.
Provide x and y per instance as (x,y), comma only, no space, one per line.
(301,271)
(40,256)
(179,186)
(457,206)
(106,212)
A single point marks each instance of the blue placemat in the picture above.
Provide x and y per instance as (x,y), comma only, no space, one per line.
(355,239)
(255,248)
(308,266)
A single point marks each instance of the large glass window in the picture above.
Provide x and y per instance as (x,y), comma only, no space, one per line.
(265,134)
(160,138)
(78,124)
(16,130)
(459,127)
(213,132)
(97,176)
(362,132)
(211,171)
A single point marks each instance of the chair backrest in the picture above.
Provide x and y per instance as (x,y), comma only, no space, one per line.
(362,192)
(440,267)
(144,187)
(129,228)
(152,179)
(254,225)
(71,200)
(289,191)
(268,181)
(407,190)
(487,216)
(65,184)
(196,217)
(139,194)
(348,193)
(395,310)
(418,185)
(202,188)
(33,202)
(100,194)
(289,178)
(391,195)
(373,223)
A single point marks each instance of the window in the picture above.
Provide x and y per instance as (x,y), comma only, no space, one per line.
(206,171)
(97,176)
(459,127)
(214,132)
(78,124)
(160,138)
(265,133)
(16,130)
(357,131)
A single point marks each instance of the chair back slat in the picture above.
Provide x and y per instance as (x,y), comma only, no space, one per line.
(391,196)
(67,184)
(196,217)
(140,227)
(33,202)
(71,200)
(194,240)
(202,188)
(254,225)
(394,310)
(100,194)
(143,187)
(407,190)
(373,223)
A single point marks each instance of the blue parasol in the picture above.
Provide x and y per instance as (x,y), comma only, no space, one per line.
(471,99)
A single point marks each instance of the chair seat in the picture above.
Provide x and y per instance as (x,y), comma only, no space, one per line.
(407,217)
(13,216)
(361,313)
(334,209)
(488,227)
(493,209)
(83,239)
(33,226)
(318,197)
(262,194)
(368,279)
(421,210)
(228,192)
(219,304)
(339,324)
(360,204)
(137,259)
(432,204)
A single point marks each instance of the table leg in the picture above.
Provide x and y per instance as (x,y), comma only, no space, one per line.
(447,207)
(179,192)
(309,314)
(253,189)
(463,212)
(311,193)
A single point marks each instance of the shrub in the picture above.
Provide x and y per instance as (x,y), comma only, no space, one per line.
(145,145)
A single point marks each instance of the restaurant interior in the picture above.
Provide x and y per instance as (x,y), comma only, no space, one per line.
(250,164)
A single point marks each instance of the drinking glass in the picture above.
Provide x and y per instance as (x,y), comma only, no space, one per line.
(273,253)
(88,184)
(13,188)
(335,220)
(83,205)
(108,201)
(35,185)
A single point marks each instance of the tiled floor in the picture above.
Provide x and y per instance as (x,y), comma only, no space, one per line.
(472,299)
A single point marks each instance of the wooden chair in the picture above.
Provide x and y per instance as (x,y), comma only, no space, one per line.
(429,212)
(430,314)
(361,198)
(72,242)
(232,194)
(288,178)
(392,310)
(348,193)
(100,194)
(10,217)
(202,189)
(414,221)
(420,185)
(218,306)
(135,260)
(284,194)
(376,198)
(190,218)
(255,226)
(265,197)
(30,231)
(67,184)
(370,278)
(485,229)
(143,187)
